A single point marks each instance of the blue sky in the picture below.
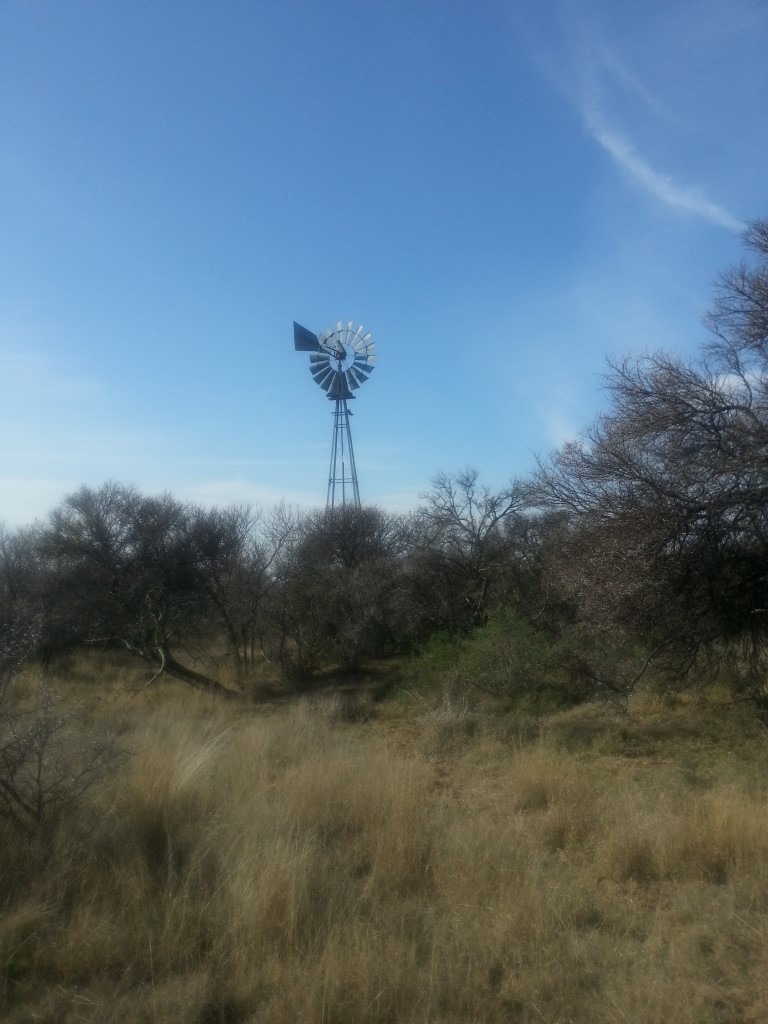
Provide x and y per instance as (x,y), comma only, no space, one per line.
(504,193)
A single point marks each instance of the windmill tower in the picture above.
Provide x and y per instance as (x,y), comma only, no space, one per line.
(340,360)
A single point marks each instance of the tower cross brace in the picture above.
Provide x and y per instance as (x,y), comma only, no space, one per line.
(342,477)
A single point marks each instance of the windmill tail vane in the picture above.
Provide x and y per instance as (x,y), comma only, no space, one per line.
(340,360)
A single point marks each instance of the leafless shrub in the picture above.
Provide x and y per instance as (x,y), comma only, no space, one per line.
(46,764)
(346,708)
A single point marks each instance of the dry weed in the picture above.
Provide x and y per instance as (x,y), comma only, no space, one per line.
(270,866)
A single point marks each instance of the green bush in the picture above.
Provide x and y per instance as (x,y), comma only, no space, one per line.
(508,659)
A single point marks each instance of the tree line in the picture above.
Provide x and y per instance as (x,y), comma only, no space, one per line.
(643,543)
(176,584)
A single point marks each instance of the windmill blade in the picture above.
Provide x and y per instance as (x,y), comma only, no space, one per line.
(304,340)
(349,330)
(321,369)
(362,366)
(325,379)
(324,382)
(339,388)
(352,380)
(364,346)
(356,335)
(331,342)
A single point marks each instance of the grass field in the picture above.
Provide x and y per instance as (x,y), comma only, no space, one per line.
(330,859)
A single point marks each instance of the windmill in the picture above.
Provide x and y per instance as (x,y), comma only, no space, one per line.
(340,360)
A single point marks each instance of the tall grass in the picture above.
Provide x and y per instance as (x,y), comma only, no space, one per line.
(287,865)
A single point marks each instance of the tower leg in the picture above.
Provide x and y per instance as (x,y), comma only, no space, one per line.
(342,477)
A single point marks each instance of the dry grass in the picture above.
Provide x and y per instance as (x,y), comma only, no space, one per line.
(305,864)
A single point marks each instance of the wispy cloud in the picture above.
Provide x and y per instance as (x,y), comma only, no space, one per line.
(617,106)
(610,61)
(685,199)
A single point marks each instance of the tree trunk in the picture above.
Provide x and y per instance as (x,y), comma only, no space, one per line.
(202,682)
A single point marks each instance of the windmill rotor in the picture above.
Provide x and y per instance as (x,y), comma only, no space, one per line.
(341,359)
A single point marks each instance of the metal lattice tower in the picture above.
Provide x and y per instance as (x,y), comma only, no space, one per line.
(340,360)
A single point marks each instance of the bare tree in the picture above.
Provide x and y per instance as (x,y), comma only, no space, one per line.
(739,316)
(128,574)
(239,551)
(666,496)
(339,596)
(461,552)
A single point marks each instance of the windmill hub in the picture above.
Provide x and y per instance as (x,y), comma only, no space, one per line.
(343,358)
(340,360)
